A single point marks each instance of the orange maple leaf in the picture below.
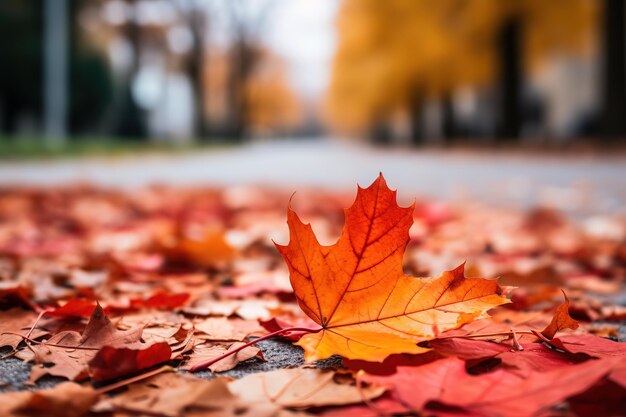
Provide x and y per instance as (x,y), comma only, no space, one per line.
(357,292)
(560,321)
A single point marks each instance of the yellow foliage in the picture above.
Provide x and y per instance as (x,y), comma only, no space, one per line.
(390,51)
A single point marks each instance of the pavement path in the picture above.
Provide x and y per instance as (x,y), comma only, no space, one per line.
(586,183)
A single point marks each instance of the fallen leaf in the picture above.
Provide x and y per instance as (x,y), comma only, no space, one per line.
(497,393)
(76,307)
(300,387)
(605,399)
(379,407)
(391,362)
(206,250)
(172,395)
(14,296)
(69,351)
(468,349)
(560,321)
(536,357)
(356,291)
(597,347)
(64,400)
(161,300)
(221,328)
(18,321)
(431,378)
(111,362)
(507,394)
(250,309)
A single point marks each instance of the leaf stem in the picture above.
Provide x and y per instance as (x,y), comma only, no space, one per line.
(51,344)
(41,314)
(210,362)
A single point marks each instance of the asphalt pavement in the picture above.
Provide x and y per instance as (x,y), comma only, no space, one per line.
(586,182)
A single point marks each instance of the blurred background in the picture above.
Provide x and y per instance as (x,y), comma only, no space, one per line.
(321,92)
(410,72)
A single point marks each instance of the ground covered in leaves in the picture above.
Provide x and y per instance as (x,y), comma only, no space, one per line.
(109,298)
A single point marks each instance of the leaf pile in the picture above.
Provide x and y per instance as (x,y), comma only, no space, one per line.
(114,290)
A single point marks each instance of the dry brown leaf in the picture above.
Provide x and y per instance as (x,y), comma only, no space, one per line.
(300,387)
(69,351)
(221,328)
(64,400)
(19,321)
(169,395)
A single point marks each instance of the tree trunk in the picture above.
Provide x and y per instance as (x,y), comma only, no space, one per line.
(195,70)
(243,60)
(56,75)
(448,120)
(510,123)
(10,113)
(380,133)
(613,118)
(131,118)
(415,115)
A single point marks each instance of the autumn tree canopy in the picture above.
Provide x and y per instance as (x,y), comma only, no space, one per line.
(393,55)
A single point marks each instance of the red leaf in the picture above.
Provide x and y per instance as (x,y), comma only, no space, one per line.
(539,358)
(499,393)
(14,296)
(468,349)
(162,300)
(76,307)
(534,356)
(591,345)
(111,362)
(430,378)
(391,363)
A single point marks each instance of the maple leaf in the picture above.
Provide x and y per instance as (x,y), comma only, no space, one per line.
(76,307)
(70,351)
(111,362)
(561,320)
(531,357)
(174,395)
(161,300)
(594,346)
(300,387)
(356,291)
(498,393)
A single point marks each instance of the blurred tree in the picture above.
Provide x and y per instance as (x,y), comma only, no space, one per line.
(395,55)
(20,62)
(613,120)
(90,78)
(130,120)
(195,18)
(21,69)
(246,21)
(272,105)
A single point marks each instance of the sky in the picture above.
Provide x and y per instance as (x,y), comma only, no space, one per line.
(303,33)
